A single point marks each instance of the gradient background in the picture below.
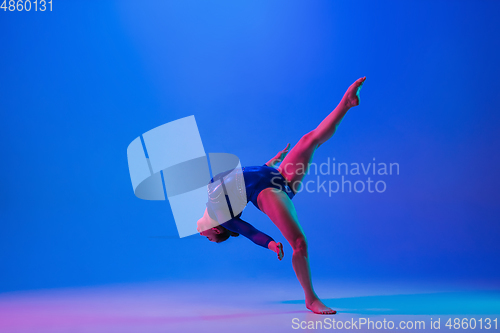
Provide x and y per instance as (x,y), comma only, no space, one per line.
(80,83)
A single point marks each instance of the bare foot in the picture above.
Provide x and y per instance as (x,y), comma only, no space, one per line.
(351,96)
(279,251)
(319,307)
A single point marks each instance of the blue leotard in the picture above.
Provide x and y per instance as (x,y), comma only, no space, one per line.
(256,179)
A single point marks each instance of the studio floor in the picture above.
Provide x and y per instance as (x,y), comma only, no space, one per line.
(252,306)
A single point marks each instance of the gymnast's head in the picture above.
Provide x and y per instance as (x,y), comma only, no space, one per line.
(211,229)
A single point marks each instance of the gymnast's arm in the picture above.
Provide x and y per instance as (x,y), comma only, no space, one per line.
(249,231)
(278,158)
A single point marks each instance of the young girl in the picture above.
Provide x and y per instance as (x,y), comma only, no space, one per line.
(271,191)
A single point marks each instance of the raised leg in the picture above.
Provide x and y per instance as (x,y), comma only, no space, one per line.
(280,209)
(296,164)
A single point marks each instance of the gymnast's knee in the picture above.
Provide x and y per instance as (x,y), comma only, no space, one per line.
(311,139)
(300,245)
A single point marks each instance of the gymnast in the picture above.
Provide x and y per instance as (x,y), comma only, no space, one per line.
(271,190)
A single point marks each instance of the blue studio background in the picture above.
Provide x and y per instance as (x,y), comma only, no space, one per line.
(78,84)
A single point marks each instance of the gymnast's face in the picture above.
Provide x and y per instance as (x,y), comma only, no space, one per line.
(211,234)
(209,228)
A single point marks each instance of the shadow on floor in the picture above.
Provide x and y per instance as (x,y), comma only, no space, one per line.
(457,303)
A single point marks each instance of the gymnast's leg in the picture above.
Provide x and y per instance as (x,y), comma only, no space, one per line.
(296,163)
(280,209)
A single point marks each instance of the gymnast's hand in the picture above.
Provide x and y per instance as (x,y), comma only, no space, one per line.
(278,248)
(279,157)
